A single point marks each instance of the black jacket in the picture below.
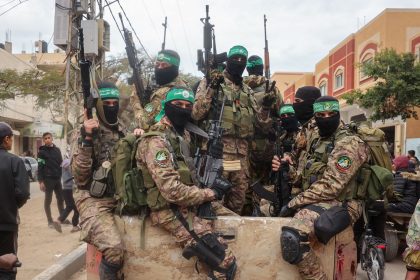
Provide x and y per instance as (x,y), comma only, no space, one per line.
(14,189)
(407,189)
(49,162)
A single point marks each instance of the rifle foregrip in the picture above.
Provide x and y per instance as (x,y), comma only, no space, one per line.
(204,211)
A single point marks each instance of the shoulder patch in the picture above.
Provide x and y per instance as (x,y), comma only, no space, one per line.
(162,158)
(343,163)
(148,108)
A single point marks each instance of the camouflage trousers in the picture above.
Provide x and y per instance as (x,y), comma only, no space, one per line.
(310,267)
(235,199)
(98,226)
(168,221)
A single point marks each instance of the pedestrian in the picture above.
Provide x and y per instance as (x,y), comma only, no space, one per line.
(68,184)
(328,180)
(411,254)
(414,161)
(49,177)
(14,192)
(92,160)
(240,117)
(162,156)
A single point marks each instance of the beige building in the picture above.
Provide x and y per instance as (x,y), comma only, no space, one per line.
(338,72)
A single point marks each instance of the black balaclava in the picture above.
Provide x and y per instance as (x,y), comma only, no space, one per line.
(255,66)
(327,126)
(108,114)
(290,124)
(235,69)
(304,110)
(178,116)
(167,75)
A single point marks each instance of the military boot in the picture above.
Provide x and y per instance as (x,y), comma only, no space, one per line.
(109,271)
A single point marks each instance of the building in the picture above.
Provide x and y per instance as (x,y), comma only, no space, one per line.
(338,72)
(28,122)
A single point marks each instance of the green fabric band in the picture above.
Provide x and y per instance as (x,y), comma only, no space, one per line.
(286,109)
(326,106)
(175,94)
(168,58)
(109,93)
(239,50)
(252,64)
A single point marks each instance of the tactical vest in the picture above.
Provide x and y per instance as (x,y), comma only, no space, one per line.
(182,161)
(316,159)
(238,114)
(104,143)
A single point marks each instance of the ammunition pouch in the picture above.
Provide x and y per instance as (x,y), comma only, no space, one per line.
(99,186)
(293,245)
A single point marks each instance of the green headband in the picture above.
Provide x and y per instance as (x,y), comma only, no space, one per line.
(168,58)
(238,50)
(109,93)
(286,109)
(252,64)
(175,94)
(326,106)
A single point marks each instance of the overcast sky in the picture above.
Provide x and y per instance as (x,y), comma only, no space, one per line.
(300,33)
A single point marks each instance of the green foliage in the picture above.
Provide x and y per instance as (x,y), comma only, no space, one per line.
(396,91)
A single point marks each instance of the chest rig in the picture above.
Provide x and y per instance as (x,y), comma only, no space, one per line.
(182,161)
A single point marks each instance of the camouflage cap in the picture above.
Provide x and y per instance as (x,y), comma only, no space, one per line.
(176,93)
(238,50)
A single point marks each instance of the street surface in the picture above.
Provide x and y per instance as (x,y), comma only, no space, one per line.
(40,246)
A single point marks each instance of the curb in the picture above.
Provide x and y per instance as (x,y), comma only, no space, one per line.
(66,266)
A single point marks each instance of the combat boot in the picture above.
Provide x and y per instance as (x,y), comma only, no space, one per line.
(109,271)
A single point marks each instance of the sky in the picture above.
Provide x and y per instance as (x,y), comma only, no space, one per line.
(300,33)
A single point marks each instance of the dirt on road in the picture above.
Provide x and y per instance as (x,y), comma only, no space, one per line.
(40,246)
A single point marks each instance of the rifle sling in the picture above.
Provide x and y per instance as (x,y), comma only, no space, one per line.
(259,189)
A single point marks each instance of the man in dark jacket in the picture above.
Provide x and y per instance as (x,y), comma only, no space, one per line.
(49,176)
(14,192)
(405,186)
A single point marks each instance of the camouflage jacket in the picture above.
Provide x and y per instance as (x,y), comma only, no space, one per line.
(342,164)
(412,253)
(85,160)
(259,117)
(145,117)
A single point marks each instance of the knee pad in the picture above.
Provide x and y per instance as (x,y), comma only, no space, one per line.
(293,245)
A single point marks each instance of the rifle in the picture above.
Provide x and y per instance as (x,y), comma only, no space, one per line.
(90,95)
(266,54)
(211,59)
(136,79)
(165,25)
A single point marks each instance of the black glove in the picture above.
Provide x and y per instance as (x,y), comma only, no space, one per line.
(216,78)
(268,100)
(287,212)
(220,187)
(216,149)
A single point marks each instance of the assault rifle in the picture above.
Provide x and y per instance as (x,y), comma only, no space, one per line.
(211,60)
(90,95)
(266,54)
(136,78)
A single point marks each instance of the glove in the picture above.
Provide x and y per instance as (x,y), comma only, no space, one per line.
(268,100)
(220,187)
(287,212)
(216,149)
(216,79)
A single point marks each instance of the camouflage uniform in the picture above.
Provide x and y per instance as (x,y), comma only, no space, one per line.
(168,179)
(412,253)
(97,214)
(240,114)
(145,117)
(328,179)
(261,149)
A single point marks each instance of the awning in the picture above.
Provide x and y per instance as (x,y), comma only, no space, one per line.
(15,132)
(36,129)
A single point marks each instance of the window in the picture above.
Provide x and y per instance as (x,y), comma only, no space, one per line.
(323,88)
(366,60)
(339,79)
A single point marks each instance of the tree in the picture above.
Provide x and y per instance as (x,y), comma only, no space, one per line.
(397,86)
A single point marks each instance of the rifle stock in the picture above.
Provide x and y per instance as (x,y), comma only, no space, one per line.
(135,65)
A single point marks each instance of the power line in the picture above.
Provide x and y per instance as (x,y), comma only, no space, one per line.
(112,14)
(134,31)
(42,53)
(150,19)
(185,34)
(1,6)
(20,2)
